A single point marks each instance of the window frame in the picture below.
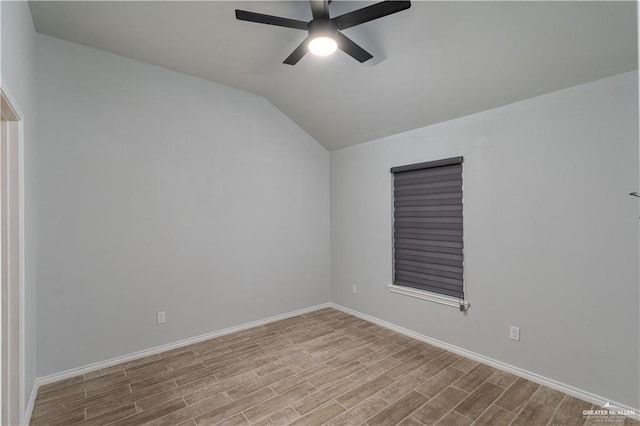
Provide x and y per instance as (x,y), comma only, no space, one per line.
(461,303)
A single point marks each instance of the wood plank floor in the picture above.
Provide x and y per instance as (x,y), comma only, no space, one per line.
(325,367)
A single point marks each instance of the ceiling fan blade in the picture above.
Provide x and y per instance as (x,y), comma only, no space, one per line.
(350,47)
(370,13)
(320,9)
(278,21)
(298,53)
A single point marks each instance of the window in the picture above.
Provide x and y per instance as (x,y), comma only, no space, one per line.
(427,229)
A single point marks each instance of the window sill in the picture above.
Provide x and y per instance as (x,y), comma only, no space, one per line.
(432,297)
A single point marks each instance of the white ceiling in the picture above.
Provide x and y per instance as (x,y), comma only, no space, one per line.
(433,62)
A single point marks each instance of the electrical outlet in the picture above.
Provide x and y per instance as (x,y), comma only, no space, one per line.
(354,289)
(161,317)
(514,333)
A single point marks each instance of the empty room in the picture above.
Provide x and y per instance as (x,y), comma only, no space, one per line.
(319,212)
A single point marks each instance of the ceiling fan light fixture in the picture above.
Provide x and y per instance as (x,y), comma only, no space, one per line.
(324,33)
(323,46)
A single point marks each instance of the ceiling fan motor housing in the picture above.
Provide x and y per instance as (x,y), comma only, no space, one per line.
(322,28)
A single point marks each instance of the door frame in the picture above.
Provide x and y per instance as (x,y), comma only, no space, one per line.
(12,190)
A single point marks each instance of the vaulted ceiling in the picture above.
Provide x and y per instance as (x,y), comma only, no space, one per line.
(433,62)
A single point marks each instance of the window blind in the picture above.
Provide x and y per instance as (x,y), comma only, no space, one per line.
(427,226)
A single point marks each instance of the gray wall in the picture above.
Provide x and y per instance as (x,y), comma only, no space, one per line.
(163,192)
(19,74)
(551,236)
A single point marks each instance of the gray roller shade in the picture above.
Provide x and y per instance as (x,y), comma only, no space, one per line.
(427,226)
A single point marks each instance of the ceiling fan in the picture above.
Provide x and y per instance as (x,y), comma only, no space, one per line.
(324,35)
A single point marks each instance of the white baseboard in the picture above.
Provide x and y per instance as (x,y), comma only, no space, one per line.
(152,351)
(533,377)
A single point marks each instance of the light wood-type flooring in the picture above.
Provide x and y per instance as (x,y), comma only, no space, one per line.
(325,367)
